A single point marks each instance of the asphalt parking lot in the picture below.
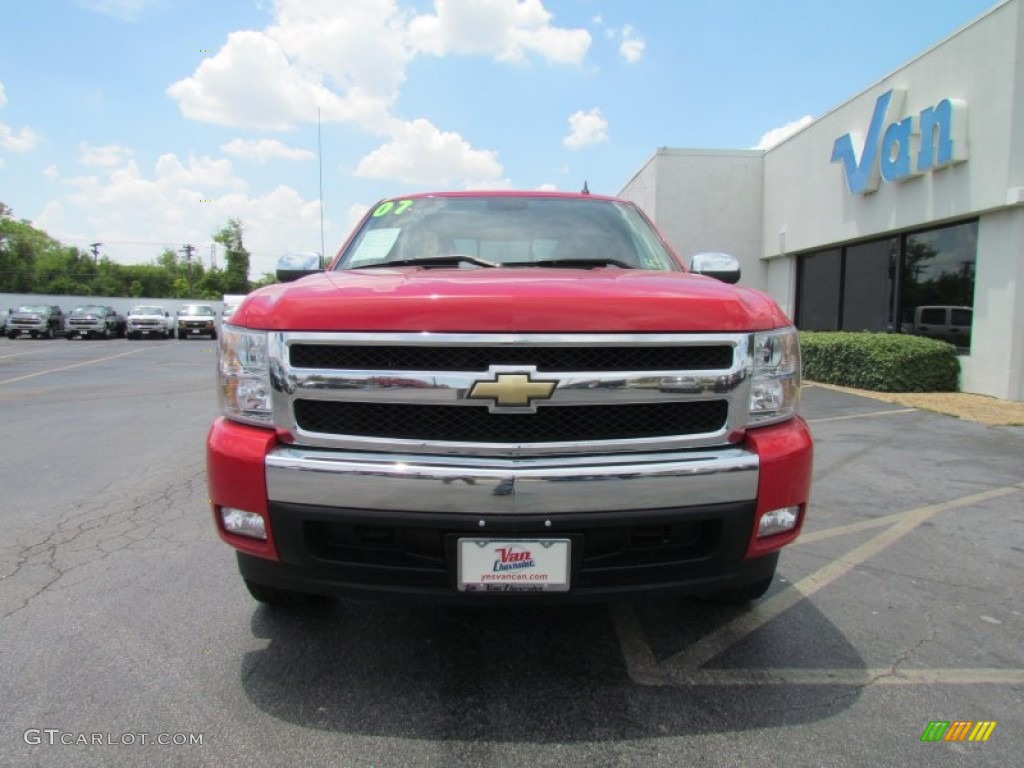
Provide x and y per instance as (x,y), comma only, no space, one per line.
(122,615)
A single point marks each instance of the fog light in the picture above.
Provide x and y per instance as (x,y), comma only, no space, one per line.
(778,521)
(243,523)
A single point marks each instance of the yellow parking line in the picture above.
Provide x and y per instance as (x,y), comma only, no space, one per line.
(74,365)
(688,661)
(881,522)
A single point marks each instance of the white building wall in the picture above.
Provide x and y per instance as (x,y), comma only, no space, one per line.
(706,200)
(709,200)
(996,364)
(806,193)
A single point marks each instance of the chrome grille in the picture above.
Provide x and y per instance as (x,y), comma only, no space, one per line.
(399,421)
(411,392)
(545,358)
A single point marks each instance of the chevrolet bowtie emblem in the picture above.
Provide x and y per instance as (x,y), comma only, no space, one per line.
(512,390)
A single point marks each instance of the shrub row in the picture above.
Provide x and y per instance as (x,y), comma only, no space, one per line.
(882,362)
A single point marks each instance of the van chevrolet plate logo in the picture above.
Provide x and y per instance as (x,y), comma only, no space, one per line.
(512,390)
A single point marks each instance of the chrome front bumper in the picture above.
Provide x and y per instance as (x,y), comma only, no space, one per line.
(548,485)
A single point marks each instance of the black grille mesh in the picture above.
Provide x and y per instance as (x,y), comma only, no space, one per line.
(477,424)
(357,357)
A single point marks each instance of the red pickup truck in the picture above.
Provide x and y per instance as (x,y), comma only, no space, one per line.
(505,396)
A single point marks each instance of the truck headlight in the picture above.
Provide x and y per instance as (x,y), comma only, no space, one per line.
(775,383)
(243,369)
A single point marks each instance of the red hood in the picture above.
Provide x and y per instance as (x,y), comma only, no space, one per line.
(518,300)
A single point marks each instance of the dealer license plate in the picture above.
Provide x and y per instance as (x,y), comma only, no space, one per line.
(513,565)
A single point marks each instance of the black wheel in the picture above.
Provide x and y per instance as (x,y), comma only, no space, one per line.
(213,335)
(181,336)
(282,598)
(739,595)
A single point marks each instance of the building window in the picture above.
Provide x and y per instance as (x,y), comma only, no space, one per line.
(926,279)
(818,290)
(869,285)
(937,292)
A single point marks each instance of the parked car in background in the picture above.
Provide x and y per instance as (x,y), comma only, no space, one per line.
(948,323)
(36,320)
(97,321)
(197,320)
(231,302)
(149,320)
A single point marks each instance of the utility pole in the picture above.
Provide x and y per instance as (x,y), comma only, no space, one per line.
(95,252)
(187,250)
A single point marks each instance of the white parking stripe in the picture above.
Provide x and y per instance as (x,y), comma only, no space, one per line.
(862,415)
(74,365)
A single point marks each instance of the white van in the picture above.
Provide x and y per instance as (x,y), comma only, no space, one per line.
(952,324)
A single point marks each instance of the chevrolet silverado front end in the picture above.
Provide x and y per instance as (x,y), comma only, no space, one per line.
(506,420)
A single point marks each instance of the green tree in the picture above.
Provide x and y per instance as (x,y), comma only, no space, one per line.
(236,272)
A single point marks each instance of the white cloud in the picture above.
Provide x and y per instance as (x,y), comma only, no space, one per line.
(586,129)
(51,172)
(265,149)
(104,157)
(250,82)
(632,46)
(137,214)
(547,188)
(348,61)
(22,141)
(504,29)
(778,135)
(419,153)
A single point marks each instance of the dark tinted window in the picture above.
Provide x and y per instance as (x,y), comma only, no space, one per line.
(961,317)
(938,270)
(818,291)
(869,285)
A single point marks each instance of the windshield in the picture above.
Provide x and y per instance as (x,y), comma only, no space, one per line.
(147,311)
(508,231)
(33,308)
(89,309)
(197,310)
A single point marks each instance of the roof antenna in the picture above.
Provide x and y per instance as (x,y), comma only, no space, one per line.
(586,189)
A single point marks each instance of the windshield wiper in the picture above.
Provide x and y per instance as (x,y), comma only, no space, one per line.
(574,263)
(445,260)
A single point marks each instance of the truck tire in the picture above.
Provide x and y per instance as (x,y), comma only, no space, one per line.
(282,598)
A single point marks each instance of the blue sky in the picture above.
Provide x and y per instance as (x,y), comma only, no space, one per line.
(146,124)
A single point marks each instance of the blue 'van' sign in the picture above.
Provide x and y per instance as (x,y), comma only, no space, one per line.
(907,148)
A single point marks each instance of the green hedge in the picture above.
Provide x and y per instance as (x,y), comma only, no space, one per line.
(882,362)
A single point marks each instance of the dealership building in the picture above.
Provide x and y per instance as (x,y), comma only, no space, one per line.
(900,210)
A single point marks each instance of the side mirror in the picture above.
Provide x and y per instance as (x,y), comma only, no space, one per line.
(720,266)
(298,264)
